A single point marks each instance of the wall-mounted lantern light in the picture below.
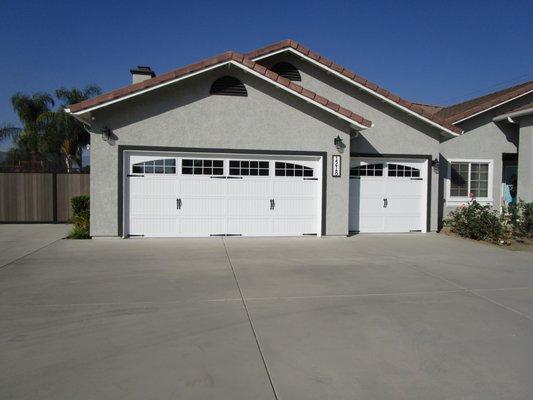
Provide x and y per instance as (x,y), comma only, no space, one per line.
(339,144)
(106,133)
(435,163)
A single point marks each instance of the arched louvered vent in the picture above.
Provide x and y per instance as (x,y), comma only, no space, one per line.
(228,86)
(286,70)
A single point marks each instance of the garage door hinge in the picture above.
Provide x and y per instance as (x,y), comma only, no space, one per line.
(310,179)
(217,177)
(135,176)
(416,179)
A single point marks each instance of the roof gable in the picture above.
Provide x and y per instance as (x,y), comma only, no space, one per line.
(214,62)
(417,110)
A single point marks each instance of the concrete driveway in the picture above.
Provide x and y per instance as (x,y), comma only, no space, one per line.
(367,317)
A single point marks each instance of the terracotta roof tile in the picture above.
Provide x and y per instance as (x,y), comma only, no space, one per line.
(353,76)
(213,61)
(470,107)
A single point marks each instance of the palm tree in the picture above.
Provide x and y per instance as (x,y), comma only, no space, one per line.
(30,136)
(47,133)
(76,137)
(64,133)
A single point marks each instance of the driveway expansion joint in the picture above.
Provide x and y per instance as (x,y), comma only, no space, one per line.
(252,327)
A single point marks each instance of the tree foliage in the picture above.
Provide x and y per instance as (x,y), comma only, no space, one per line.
(45,133)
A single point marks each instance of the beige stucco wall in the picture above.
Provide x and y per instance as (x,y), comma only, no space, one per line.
(394,131)
(185,115)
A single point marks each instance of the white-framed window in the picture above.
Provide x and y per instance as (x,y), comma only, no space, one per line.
(469,178)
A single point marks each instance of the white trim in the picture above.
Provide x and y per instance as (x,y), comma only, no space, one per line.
(513,114)
(490,108)
(351,81)
(455,200)
(230,62)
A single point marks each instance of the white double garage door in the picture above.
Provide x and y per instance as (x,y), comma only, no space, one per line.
(388,195)
(194,194)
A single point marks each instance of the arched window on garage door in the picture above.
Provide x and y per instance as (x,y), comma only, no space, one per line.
(162,166)
(290,169)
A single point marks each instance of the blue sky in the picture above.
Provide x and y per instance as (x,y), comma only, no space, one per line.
(436,52)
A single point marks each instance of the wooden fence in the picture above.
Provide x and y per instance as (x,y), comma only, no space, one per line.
(27,197)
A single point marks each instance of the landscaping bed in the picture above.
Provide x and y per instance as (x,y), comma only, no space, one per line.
(512,228)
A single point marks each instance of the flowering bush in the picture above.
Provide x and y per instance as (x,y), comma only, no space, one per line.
(518,218)
(475,221)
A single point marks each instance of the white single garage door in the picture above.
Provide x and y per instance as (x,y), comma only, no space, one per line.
(388,195)
(168,195)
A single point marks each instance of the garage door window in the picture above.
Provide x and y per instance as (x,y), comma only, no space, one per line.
(246,168)
(202,167)
(469,179)
(399,170)
(163,166)
(290,169)
(367,170)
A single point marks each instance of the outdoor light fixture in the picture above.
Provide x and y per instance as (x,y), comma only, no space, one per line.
(339,144)
(106,133)
(435,163)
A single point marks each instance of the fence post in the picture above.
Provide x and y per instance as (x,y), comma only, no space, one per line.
(54,195)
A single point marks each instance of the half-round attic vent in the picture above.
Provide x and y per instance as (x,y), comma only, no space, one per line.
(228,86)
(286,70)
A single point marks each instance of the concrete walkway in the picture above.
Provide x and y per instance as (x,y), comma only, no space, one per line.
(367,317)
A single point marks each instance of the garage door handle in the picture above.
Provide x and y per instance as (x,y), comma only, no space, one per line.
(385,203)
(178,204)
(272,204)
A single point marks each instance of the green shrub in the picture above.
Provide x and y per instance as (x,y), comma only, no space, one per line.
(80,217)
(475,221)
(519,217)
(79,232)
(80,205)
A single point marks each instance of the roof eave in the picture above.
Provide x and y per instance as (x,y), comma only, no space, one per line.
(475,114)
(291,49)
(353,123)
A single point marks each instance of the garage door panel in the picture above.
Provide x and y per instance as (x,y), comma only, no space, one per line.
(177,204)
(249,187)
(203,206)
(250,225)
(371,223)
(258,206)
(294,187)
(201,226)
(294,206)
(393,201)
(202,187)
(294,226)
(159,226)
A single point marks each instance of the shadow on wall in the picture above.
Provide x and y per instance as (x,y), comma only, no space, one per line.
(197,88)
(359,145)
(368,99)
(443,174)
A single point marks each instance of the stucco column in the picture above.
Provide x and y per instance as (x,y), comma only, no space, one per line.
(525,160)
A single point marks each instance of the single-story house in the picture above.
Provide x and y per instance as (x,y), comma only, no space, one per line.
(282,141)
